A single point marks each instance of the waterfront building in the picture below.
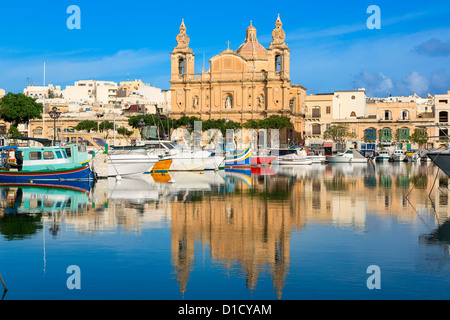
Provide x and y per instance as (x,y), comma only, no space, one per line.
(2,93)
(318,118)
(251,82)
(441,116)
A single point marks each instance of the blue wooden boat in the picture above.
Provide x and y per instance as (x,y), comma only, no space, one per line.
(44,166)
(239,159)
(235,158)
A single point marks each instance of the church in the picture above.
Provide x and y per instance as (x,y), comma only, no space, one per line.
(250,83)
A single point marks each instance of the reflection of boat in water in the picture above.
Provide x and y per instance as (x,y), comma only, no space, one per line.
(37,200)
(234,177)
(133,190)
(185,180)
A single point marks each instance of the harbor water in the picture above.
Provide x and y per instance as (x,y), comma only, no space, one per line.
(278,232)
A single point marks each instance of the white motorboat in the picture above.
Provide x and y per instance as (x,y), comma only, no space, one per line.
(383,156)
(317,158)
(343,157)
(398,155)
(357,157)
(294,159)
(130,161)
(349,156)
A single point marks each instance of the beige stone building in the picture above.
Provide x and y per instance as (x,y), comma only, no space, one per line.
(441,115)
(251,82)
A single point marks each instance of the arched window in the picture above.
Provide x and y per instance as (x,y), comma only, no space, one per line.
(181,66)
(370,134)
(37,132)
(386,134)
(353,114)
(277,63)
(443,116)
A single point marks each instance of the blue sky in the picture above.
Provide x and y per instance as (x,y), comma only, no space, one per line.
(331,46)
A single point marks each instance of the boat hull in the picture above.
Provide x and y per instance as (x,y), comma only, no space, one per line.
(239,159)
(82,173)
(339,159)
(441,159)
(262,160)
(296,162)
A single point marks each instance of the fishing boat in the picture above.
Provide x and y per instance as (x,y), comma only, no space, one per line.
(398,155)
(383,156)
(40,166)
(238,159)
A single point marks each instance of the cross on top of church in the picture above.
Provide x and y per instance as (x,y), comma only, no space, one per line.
(228,44)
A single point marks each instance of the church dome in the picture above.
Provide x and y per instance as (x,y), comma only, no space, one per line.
(251,49)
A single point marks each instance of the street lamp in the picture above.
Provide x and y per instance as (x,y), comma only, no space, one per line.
(54,114)
(99,115)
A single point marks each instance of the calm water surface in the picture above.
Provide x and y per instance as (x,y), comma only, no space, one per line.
(275,233)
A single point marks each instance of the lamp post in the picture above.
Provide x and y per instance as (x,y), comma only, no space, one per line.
(54,114)
(99,115)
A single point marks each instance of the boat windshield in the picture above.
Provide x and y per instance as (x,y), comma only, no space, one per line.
(349,152)
(101,142)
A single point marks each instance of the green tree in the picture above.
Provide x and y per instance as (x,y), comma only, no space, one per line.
(86,125)
(420,136)
(124,131)
(106,126)
(17,108)
(339,133)
(13,132)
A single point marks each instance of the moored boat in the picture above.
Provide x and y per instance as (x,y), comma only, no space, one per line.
(40,166)
(383,156)
(398,155)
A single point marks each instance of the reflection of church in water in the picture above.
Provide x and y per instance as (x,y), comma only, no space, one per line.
(245,230)
(250,83)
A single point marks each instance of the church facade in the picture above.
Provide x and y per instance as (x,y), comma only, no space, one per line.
(250,83)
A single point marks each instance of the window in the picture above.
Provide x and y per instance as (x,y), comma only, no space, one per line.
(328,110)
(387,115)
(403,134)
(181,66)
(443,101)
(68,152)
(386,134)
(58,155)
(316,112)
(370,135)
(277,63)
(316,129)
(443,116)
(49,155)
(35,155)
(353,114)
(405,115)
